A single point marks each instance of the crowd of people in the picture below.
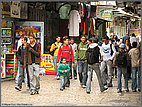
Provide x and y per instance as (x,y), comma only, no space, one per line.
(109,58)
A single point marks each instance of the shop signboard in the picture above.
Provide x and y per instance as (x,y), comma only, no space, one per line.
(5,8)
(104,12)
(113,3)
(19,9)
(48,64)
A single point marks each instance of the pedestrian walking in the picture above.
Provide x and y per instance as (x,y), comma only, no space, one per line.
(54,50)
(108,55)
(93,54)
(66,51)
(128,47)
(120,61)
(135,62)
(17,45)
(81,60)
(63,69)
(32,57)
(74,47)
(20,55)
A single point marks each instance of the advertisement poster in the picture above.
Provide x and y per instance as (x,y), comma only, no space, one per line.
(48,64)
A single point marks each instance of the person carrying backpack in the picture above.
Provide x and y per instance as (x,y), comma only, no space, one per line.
(120,61)
(108,51)
(93,54)
(66,51)
(54,52)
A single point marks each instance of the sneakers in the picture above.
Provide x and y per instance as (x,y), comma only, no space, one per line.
(88,92)
(61,89)
(75,77)
(139,89)
(58,78)
(126,90)
(37,92)
(18,88)
(119,91)
(32,93)
(134,91)
(83,86)
(109,85)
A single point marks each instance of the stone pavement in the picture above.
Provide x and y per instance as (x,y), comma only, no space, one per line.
(50,94)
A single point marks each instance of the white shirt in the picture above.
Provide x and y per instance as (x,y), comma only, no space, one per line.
(106,50)
(74,47)
(74,20)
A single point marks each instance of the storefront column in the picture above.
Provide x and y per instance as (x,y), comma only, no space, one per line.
(119,30)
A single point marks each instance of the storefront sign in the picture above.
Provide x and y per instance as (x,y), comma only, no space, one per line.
(104,12)
(113,3)
(5,8)
(48,64)
(19,9)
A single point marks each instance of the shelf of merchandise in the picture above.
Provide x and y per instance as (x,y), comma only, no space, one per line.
(7,43)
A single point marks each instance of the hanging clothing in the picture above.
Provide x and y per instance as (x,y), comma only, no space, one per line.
(74,20)
(92,26)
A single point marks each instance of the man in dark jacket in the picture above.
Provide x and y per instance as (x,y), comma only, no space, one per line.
(32,58)
(20,55)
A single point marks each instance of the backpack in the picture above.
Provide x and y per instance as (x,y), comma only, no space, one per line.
(111,50)
(52,53)
(92,55)
(121,59)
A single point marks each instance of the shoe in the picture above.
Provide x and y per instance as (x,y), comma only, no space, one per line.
(58,78)
(32,93)
(83,86)
(67,85)
(119,91)
(61,89)
(75,77)
(105,88)
(126,90)
(37,92)
(109,85)
(139,89)
(18,88)
(134,91)
(105,84)
(88,92)
(70,77)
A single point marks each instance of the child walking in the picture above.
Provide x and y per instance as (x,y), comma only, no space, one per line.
(63,69)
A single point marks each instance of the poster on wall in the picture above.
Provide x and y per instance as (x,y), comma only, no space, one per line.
(48,64)
(5,8)
(15,9)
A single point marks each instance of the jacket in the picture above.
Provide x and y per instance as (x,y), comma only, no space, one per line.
(66,52)
(135,57)
(27,55)
(81,51)
(63,67)
(20,54)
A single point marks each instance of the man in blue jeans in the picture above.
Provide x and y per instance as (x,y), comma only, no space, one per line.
(108,51)
(81,60)
(121,61)
(135,62)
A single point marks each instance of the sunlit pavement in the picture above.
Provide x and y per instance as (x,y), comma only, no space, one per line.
(50,94)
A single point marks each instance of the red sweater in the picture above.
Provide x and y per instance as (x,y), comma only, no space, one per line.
(65,53)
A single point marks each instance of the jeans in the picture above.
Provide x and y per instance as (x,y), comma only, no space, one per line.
(63,82)
(96,68)
(122,70)
(75,70)
(82,71)
(69,73)
(134,77)
(18,67)
(90,69)
(21,76)
(107,64)
(34,71)
(55,65)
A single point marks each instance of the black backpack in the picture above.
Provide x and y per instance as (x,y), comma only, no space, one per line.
(92,55)
(121,59)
